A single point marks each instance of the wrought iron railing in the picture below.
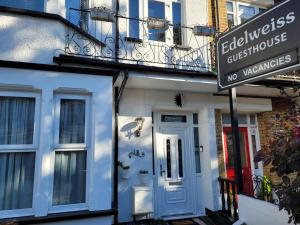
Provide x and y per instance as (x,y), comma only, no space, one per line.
(228,191)
(138,41)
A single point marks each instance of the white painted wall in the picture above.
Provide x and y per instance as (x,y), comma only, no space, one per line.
(140,103)
(257,212)
(28,39)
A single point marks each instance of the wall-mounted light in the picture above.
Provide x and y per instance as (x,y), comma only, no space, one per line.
(139,126)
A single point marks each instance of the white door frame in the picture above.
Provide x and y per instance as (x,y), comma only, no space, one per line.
(190,143)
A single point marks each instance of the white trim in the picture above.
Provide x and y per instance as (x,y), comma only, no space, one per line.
(68,208)
(16,213)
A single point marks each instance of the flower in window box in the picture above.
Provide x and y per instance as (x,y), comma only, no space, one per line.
(157,24)
(102,14)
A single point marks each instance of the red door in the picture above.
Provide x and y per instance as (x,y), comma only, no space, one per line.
(245,156)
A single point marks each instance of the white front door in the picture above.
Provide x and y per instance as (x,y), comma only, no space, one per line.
(173,167)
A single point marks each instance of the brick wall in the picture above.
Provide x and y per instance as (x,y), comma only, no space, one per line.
(266,129)
(222,14)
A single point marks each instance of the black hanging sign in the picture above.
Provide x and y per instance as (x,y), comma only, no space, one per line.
(263,46)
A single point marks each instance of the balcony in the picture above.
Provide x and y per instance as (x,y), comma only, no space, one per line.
(151,42)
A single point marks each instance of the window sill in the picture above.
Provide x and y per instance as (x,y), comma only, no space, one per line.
(133,40)
(54,217)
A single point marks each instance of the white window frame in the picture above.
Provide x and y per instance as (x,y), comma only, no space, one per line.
(71,147)
(231,12)
(236,12)
(34,145)
(24,148)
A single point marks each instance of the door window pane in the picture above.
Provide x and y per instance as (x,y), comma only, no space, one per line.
(252,119)
(197,150)
(16,120)
(69,178)
(168,147)
(226,119)
(72,121)
(195,118)
(16,180)
(230,152)
(180,166)
(134,16)
(254,149)
(156,10)
(177,32)
(173,118)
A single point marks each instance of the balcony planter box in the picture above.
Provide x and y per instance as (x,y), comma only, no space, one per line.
(157,24)
(203,31)
(102,14)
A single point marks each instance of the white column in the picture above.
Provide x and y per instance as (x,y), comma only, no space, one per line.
(44,160)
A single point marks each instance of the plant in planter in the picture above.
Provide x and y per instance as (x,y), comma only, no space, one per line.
(102,14)
(143,176)
(124,170)
(157,23)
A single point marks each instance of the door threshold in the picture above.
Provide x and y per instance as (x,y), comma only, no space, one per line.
(180,216)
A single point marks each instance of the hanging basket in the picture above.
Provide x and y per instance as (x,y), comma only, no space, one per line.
(102,14)
(157,24)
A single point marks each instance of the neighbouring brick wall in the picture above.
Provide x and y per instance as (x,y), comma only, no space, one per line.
(218,123)
(266,129)
(222,14)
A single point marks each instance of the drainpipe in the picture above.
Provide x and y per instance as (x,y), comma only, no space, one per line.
(217,15)
(118,92)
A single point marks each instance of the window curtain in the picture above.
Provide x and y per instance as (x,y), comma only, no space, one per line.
(16,120)
(69,178)
(72,121)
(16,180)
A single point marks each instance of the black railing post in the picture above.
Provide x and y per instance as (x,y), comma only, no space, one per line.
(229,206)
(222,195)
(236,139)
(234,203)
(227,184)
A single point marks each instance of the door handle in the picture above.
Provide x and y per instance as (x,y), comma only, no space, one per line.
(161,170)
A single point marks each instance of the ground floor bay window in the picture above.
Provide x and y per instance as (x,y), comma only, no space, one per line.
(20,149)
